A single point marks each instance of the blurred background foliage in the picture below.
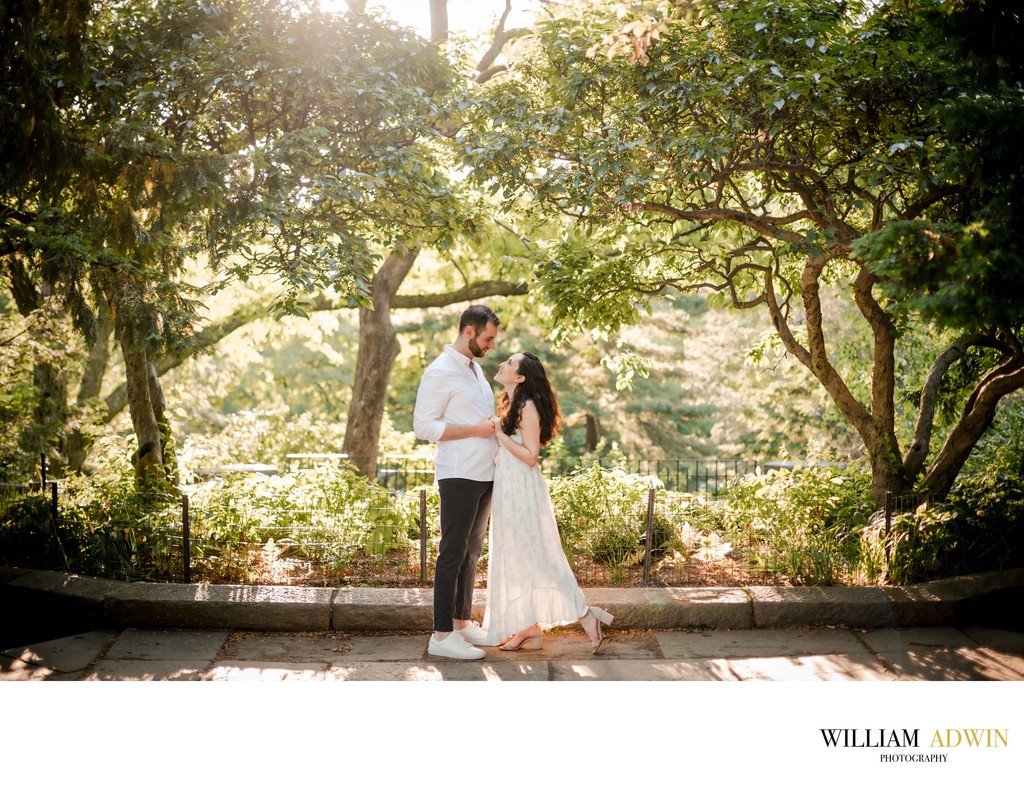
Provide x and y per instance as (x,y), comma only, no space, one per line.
(686,376)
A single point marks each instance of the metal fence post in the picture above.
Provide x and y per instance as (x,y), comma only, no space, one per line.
(54,526)
(886,548)
(888,512)
(42,471)
(423,536)
(53,507)
(649,541)
(186,545)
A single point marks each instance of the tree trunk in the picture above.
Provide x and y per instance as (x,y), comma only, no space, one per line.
(920,447)
(977,416)
(51,407)
(875,425)
(159,403)
(79,443)
(438,20)
(51,413)
(886,475)
(148,459)
(593,434)
(378,348)
(117,400)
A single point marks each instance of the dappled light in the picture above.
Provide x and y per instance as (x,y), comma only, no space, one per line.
(232,240)
(737,656)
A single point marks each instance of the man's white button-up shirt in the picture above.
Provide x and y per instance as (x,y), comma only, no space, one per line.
(451,392)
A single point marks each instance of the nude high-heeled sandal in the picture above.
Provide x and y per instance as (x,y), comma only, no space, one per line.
(529,642)
(600,616)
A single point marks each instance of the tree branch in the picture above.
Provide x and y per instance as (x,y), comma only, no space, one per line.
(117,400)
(815,356)
(23,288)
(918,451)
(976,418)
(474,291)
(883,365)
(13,214)
(765,225)
(485,67)
(917,208)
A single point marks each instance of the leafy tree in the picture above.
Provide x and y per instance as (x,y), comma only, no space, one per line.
(272,137)
(470,235)
(769,154)
(42,61)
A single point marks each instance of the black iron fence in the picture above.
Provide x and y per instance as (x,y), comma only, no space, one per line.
(660,537)
(394,471)
(708,476)
(390,542)
(28,522)
(408,471)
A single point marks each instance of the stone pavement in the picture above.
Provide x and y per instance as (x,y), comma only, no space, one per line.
(780,654)
(67,627)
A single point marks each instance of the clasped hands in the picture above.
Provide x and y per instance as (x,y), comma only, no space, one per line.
(488,426)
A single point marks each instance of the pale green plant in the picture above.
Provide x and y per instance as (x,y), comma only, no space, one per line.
(804,522)
(602,513)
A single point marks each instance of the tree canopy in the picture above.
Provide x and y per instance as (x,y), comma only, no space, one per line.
(270,137)
(849,169)
(764,152)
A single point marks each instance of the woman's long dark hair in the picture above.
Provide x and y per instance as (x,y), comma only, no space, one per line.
(534,387)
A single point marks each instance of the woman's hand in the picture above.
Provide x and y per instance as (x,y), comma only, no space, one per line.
(484,428)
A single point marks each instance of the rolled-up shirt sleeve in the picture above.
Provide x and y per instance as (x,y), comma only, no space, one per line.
(431,402)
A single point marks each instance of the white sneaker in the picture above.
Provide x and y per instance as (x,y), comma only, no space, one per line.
(474,634)
(454,646)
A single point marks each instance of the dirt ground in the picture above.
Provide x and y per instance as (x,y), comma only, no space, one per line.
(400,570)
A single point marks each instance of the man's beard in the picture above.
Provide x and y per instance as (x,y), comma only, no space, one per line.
(474,348)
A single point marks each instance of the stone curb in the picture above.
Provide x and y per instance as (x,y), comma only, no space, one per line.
(85,603)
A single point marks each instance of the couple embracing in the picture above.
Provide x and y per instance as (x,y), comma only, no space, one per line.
(487,467)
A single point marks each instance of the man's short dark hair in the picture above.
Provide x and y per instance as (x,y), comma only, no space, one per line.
(478,316)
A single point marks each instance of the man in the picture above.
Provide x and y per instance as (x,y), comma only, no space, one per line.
(453,409)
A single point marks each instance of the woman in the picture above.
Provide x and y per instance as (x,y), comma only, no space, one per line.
(530,586)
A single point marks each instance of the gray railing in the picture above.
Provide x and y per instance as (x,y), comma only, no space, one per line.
(709,476)
(391,542)
(407,471)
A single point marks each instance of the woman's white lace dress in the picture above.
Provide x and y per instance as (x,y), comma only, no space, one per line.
(528,578)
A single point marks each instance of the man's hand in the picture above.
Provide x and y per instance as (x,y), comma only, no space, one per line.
(485,428)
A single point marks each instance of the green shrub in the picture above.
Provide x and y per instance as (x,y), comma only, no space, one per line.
(916,547)
(26,524)
(988,521)
(805,521)
(110,529)
(813,525)
(603,513)
(328,516)
(324,513)
(976,529)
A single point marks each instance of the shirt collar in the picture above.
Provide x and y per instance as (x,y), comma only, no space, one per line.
(465,361)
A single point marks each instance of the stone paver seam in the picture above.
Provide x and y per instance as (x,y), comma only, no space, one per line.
(224,655)
(219,656)
(969,642)
(886,665)
(660,651)
(86,671)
